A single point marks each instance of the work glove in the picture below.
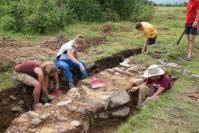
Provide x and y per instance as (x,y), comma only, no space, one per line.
(82,69)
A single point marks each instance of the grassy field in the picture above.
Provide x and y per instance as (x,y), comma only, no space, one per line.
(174,112)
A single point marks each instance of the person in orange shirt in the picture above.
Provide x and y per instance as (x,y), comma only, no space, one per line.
(149,32)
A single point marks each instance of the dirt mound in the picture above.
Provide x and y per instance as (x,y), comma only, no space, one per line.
(107,28)
(95,41)
(11,55)
(13,52)
(9,42)
(54,43)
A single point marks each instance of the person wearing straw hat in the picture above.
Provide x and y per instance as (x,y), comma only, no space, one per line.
(156,82)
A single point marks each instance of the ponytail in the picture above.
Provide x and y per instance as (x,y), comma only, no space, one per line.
(79,39)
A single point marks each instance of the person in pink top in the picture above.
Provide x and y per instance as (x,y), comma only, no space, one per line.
(36,73)
(156,82)
(191,25)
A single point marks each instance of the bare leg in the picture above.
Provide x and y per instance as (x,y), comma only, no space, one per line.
(36,91)
(31,81)
(45,86)
(191,40)
(145,46)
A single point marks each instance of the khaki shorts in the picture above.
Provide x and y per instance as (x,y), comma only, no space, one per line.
(25,78)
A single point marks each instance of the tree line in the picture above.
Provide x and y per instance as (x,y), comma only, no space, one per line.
(46,16)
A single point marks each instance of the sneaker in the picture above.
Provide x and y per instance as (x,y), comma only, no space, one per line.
(188,58)
(50,97)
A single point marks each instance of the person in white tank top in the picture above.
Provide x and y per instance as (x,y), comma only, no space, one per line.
(67,58)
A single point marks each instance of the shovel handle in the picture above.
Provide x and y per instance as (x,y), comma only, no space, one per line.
(180,37)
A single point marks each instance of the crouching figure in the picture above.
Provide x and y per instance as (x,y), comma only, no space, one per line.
(36,73)
(156,82)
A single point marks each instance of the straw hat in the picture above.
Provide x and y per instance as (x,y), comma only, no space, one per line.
(153,70)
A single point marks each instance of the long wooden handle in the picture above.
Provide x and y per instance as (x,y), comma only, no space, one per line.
(180,37)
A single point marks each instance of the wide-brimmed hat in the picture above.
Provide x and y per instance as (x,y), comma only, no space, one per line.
(153,70)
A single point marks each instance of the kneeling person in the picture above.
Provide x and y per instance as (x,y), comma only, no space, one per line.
(155,84)
(36,73)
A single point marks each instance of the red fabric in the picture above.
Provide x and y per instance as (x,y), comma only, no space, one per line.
(57,93)
(164,81)
(192,6)
(28,67)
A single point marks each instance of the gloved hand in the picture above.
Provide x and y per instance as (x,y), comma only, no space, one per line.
(81,67)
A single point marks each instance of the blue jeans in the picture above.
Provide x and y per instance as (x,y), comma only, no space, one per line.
(65,65)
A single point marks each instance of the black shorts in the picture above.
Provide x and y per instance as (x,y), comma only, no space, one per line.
(189,30)
(151,41)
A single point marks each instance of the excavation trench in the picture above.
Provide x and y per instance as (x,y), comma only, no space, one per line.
(15,101)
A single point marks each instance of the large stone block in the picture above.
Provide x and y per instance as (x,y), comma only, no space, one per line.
(121,112)
(119,98)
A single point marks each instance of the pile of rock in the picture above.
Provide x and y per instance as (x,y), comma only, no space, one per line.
(71,112)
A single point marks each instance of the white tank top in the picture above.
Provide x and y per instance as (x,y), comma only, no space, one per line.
(64,48)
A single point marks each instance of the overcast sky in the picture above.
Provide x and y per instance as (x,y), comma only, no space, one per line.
(168,1)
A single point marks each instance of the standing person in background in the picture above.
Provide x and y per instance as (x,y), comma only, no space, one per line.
(149,32)
(67,58)
(36,73)
(191,25)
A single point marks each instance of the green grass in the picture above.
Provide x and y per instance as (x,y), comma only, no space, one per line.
(7,80)
(174,112)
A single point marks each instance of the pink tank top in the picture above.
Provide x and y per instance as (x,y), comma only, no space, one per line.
(28,67)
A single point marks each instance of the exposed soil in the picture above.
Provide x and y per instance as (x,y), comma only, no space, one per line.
(106,125)
(108,28)
(13,53)
(95,41)
(24,100)
(112,61)
(55,43)
(9,42)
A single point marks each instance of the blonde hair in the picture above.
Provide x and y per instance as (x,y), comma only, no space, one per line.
(48,67)
(79,40)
